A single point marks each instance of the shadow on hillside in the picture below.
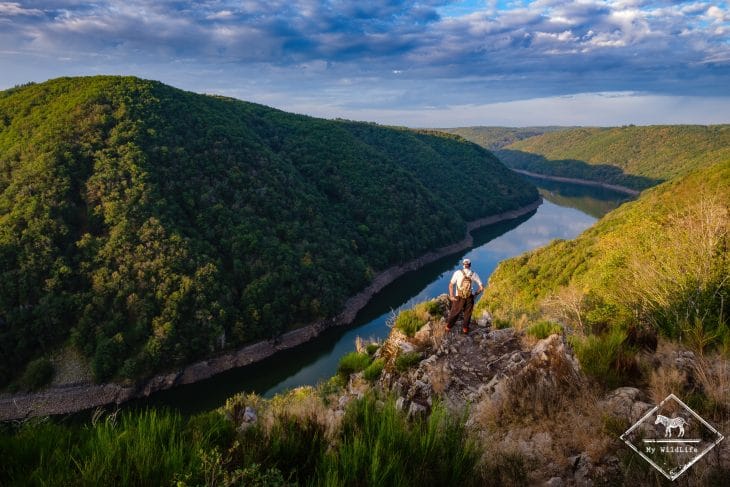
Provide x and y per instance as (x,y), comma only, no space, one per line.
(573,168)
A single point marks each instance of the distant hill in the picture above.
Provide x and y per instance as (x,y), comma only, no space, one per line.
(148,226)
(634,157)
(659,262)
(494,138)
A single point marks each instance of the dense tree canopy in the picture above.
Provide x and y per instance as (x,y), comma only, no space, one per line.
(148,226)
(631,156)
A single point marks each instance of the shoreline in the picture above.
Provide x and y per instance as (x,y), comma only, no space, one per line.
(78,397)
(585,182)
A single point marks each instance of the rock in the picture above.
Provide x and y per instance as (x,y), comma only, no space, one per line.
(400,403)
(342,402)
(416,410)
(555,482)
(620,402)
(485,319)
(424,334)
(249,415)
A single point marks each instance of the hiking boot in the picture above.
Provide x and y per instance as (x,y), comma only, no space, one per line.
(465,330)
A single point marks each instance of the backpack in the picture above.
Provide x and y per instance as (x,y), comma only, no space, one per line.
(464,290)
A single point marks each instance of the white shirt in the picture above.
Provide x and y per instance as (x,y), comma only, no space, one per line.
(459,276)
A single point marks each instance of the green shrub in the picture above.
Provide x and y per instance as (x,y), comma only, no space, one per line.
(501,324)
(353,362)
(434,308)
(38,373)
(605,357)
(406,360)
(373,371)
(544,329)
(372,348)
(408,322)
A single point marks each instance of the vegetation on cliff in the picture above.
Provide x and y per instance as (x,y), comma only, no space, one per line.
(630,156)
(148,226)
(659,264)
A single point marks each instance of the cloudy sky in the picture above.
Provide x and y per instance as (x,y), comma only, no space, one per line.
(417,63)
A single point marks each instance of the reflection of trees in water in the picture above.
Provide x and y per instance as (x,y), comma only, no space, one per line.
(592,200)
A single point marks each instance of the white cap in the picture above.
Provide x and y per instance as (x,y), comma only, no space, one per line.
(466,261)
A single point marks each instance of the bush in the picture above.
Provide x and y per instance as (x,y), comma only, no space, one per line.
(373,371)
(353,362)
(434,308)
(544,329)
(372,348)
(606,357)
(38,373)
(500,324)
(408,322)
(406,360)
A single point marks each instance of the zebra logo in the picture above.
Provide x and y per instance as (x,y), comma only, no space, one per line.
(667,449)
(670,423)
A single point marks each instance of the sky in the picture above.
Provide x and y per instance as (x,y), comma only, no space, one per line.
(428,63)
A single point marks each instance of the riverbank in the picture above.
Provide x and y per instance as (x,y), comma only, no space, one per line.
(585,182)
(77,397)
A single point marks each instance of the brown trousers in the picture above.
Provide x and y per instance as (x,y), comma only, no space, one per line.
(459,305)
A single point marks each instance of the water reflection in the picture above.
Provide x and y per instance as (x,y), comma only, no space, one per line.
(567,211)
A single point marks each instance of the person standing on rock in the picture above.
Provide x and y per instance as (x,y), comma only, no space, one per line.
(462,296)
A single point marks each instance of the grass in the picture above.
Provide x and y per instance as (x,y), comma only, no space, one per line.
(141,448)
(543,329)
(374,443)
(373,371)
(605,357)
(353,362)
(379,446)
(406,360)
(409,322)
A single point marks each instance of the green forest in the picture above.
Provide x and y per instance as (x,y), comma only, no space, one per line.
(146,226)
(495,138)
(636,157)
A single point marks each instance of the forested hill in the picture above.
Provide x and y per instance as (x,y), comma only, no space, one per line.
(635,157)
(660,262)
(147,226)
(494,138)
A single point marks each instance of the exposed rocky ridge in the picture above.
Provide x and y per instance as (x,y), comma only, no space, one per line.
(526,397)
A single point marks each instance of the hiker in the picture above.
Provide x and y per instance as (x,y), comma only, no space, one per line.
(461,295)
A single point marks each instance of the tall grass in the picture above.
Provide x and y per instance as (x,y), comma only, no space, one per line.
(606,357)
(379,446)
(141,448)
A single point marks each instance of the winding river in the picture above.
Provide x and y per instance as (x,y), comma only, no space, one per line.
(568,209)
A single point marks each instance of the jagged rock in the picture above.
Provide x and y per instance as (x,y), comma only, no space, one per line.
(424,334)
(416,410)
(620,402)
(343,401)
(249,415)
(485,319)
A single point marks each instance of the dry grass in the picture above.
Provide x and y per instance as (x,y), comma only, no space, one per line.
(440,377)
(664,381)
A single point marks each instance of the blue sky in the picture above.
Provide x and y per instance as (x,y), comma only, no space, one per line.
(416,63)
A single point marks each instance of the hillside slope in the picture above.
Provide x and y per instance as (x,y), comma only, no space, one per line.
(494,138)
(634,157)
(149,226)
(658,263)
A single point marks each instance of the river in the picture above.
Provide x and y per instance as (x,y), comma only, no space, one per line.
(568,210)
